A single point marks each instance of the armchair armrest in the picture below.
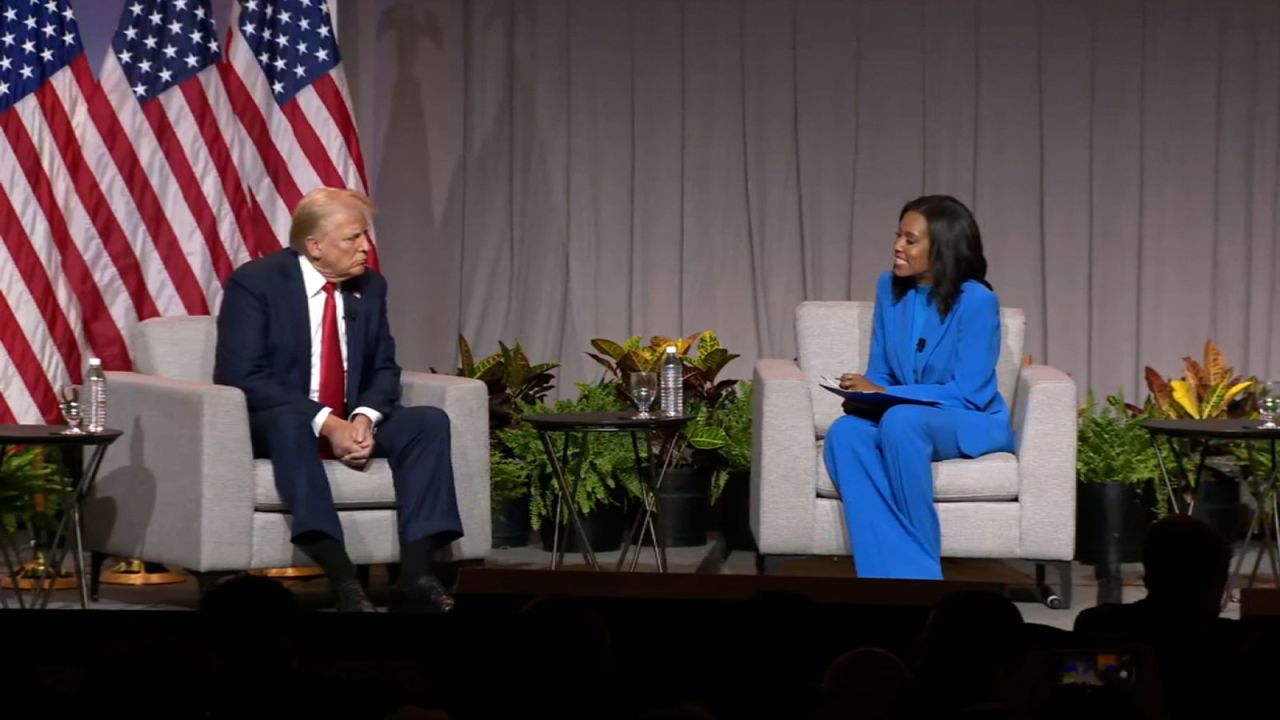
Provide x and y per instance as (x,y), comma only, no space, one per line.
(784,474)
(1044,424)
(466,402)
(177,487)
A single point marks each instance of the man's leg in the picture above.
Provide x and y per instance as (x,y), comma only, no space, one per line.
(416,443)
(285,435)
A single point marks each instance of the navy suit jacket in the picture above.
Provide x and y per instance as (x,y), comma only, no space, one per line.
(264,338)
(959,363)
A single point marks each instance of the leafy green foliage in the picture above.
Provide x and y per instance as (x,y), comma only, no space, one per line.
(603,466)
(514,385)
(511,379)
(734,420)
(32,485)
(1115,448)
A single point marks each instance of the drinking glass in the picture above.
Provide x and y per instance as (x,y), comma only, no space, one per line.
(69,404)
(1268,395)
(643,388)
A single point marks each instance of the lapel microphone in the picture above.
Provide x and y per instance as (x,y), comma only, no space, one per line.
(920,345)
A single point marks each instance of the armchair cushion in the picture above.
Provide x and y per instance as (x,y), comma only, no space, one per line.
(990,477)
(352,489)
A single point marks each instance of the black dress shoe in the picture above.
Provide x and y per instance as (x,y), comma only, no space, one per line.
(425,595)
(351,598)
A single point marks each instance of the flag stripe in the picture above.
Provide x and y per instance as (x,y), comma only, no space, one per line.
(24,359)
(188,185)
(149,207)
(264,242)
(255,126)
(220,154)
(104,337)
(34,275)
(331,95)
(99,210)
(311,145)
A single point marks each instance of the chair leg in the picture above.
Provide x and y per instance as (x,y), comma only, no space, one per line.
(96,559)
(1060,600)
(769,564)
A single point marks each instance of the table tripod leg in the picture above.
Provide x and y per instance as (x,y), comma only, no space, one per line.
(1244,548)
(13,567)
(637,523)
(559,469)
(1164,473)
(655,519)
(81,581)
(1273,547)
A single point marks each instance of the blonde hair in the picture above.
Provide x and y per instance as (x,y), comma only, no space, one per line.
(317,206)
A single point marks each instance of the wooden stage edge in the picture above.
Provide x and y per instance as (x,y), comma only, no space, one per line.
(685,586)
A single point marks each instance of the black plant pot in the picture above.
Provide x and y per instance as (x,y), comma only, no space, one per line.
(511,522)
(684,506)
(731,515)
(1111,521)
(603,527)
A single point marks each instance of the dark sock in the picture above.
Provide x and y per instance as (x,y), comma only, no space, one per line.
(329,554)
(415,560)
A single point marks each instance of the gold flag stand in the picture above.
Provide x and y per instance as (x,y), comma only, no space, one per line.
(290,573)
(132,571)
(29,575)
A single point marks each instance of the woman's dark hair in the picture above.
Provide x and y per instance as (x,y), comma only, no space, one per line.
(955,249)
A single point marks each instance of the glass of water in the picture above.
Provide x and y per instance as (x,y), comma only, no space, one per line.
(69,404)
(643,388)
(1268,395)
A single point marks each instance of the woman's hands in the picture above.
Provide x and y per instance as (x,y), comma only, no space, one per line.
(858,383)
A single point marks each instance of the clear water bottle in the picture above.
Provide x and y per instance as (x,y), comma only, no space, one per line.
(671,383)
(95,388)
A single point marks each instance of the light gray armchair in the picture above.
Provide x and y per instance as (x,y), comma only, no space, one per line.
(182,487)
(1003,505)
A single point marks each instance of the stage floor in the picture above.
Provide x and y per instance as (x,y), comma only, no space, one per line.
(313,592)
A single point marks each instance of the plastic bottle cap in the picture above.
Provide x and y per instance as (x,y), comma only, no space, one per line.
(671,349)
(95,362)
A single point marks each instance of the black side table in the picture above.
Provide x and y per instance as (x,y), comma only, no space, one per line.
(579,424)
(1227,429)
(82,479)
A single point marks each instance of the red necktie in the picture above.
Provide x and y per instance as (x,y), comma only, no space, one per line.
(332,375)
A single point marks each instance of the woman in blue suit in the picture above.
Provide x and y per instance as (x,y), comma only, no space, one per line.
(935,337)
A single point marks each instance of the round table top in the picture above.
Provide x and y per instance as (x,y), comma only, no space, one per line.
(1232,428)
(604,421)
(52,435)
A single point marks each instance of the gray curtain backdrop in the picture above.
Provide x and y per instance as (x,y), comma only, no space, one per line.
(556,170)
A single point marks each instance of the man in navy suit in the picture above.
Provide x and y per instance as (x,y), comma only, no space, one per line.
(303,332)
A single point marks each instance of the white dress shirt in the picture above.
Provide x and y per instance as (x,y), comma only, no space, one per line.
(314,282)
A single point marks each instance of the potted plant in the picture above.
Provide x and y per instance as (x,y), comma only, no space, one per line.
(32,485)
(1118,491)
(604,472)
(731,486)
(686,492)
(513,383)
(1209,390)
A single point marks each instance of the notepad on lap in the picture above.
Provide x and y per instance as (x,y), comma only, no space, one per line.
(871,400)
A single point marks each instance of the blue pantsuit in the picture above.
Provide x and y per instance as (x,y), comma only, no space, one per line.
(882,467)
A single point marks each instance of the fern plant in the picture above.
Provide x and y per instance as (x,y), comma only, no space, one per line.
(1113,447)
(602,466)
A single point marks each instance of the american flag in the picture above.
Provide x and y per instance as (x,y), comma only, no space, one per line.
(136,194)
